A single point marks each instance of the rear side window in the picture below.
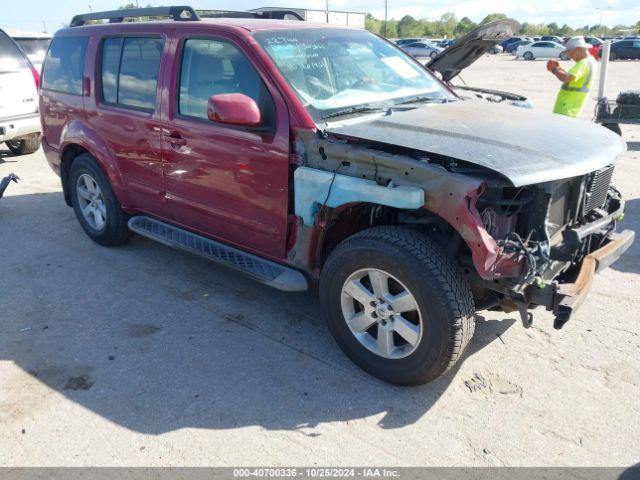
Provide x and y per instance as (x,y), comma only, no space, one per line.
(130,69)
(11,58)
(64,65)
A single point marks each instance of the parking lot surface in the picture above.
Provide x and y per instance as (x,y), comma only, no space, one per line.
(143,355)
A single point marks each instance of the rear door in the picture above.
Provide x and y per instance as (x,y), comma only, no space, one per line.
(126,113)
(18,93)
(226,182)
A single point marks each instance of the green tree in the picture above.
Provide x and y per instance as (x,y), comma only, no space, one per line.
(372,24)
(554,29)
(493,16)
(465,25)
(446,26)
(408,27)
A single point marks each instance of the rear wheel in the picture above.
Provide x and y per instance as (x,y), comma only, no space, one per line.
(397,305)
(528,56)
(95,204)
(25,145)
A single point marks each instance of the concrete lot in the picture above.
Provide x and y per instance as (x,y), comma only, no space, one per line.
(143,355)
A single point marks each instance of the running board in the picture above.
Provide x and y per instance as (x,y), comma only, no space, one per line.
(265,271)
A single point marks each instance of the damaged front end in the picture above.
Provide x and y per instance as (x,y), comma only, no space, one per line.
(565,233)
(519,247)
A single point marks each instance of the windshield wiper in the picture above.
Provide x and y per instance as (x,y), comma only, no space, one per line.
(353,110)
(425,99)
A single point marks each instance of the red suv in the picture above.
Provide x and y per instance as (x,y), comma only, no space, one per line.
(311,155)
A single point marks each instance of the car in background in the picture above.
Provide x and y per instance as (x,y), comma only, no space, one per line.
(512,40)
(593,41)
(514,46)
(623,50)
(406,41)
(552,38)
(422,49)
(446,43)
(33,44)
(540,50)
(19,82)
(496,49)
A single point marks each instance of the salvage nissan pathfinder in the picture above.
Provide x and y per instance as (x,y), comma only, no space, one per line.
(320,156)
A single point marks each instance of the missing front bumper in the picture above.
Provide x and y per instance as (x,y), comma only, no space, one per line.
(568,297)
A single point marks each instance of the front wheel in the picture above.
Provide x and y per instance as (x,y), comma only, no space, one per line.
(528,56)
(433,54)
(25,145)
(564,56)
(397,305)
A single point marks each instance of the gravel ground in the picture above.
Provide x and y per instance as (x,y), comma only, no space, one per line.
(143,355)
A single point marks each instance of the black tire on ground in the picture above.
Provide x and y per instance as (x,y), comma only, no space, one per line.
(115,230)
(433,54)
(443,297)
(612,56)
(25,145)
(614,127)
(528,56)
(564,56)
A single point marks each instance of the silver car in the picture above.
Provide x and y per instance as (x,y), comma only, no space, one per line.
(422,50)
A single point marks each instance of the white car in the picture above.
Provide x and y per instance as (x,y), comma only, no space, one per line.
(19,80)
(34,44)
(540,50)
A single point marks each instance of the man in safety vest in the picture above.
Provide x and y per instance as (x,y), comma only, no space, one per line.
(576,82)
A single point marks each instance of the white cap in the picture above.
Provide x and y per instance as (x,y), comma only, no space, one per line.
(576,42)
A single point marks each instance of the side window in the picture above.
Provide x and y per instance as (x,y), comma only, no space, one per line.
(129,71)
(211,67)
(64,65)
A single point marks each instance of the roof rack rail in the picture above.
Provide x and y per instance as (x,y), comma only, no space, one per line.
(275,14)
(178,13)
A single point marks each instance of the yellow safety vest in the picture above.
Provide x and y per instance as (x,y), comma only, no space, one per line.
(573,95)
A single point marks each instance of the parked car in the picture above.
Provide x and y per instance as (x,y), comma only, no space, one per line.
(19,120)
(406,41)
(552,38)
(505,43)
(540,50)
(512,48)
(446,43)
(593,41)
(623,50)
(33,44)
(496,49)
(422,49)
(361,174)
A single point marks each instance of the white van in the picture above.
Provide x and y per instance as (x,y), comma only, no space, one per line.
(19,119)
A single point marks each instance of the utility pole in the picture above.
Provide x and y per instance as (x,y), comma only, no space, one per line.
(386,14)
(326,9)
(602,10)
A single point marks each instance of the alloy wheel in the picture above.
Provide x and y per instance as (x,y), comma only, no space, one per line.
(381,313)
(91,202)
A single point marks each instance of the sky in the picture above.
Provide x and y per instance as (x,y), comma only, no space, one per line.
(36,15)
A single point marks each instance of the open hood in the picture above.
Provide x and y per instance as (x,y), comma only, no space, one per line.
(524,146)
(471,47)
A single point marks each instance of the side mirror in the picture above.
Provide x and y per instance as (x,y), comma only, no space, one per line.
(234,109)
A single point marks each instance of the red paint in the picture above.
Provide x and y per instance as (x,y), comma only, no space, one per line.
(234,109)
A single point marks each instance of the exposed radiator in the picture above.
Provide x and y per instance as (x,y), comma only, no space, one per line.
(598,183)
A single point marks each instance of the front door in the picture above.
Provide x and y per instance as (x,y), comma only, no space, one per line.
(227,182)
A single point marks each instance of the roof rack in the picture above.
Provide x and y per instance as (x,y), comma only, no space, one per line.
(274,14)
(179,14)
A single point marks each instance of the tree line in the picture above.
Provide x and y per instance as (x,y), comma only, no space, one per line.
(449,26)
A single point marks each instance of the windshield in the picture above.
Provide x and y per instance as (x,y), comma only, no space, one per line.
(34,46)
(332,70)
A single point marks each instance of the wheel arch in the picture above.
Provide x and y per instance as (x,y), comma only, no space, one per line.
(77,139)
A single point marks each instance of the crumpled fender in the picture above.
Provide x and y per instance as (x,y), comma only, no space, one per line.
(315,188)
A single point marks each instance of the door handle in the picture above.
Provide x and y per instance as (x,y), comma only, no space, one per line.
(176,140)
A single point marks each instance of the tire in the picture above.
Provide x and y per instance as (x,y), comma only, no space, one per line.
(614,127)
(113,229)
(24,146)
(612,56)
(528,56)
(564,56)
(444,313)
(433,55)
